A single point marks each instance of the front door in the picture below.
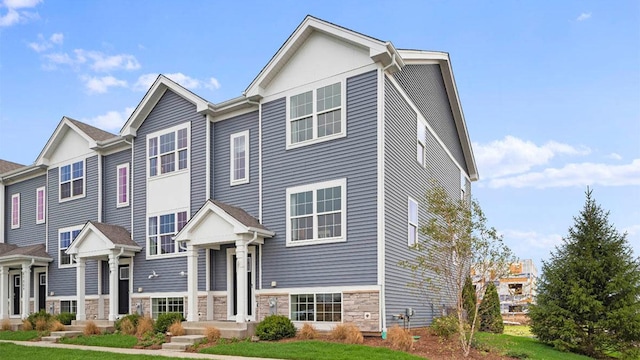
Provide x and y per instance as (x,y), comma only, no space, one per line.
(123,290)
(232,287)
(42,291)
(16,285)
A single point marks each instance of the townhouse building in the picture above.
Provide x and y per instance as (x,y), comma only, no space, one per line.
(299,197)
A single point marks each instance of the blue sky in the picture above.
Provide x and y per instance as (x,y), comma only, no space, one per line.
(550,90)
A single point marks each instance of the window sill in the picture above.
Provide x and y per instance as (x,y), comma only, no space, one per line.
(122,205)
(60,266)
(315,242)
(239,182)
(315,141)
(167,175)
(165,256)
(61,200)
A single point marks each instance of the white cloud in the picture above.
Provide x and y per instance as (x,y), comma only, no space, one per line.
(145,81)
(14,15)
(575,175)
(583,17)
(615,156)
(514,156)
(96,60)
(43,44)
(102,84)
(532,239)
(57,38)
(112,120)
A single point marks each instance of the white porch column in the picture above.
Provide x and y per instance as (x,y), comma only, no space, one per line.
(81,265)
(192,282)
(4,292)
(26,287)
(113,287)
(241,282)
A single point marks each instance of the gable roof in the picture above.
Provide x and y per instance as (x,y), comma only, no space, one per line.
(379,51)
(102,239)
(11,252)
(6,166)
(92,131)
(240,215)
(117,234)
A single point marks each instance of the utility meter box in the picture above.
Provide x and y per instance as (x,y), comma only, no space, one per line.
(409,312)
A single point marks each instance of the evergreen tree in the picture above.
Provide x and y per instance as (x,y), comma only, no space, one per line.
(469,299)
(490,317)
(589,292)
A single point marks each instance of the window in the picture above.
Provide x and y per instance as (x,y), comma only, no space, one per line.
(15,211)
(240,158)
(168,151)
(421,143)
(72,180)
(316,213)
(162,228)
(69,306)
(316,307)
(66,237)
(122,185)
(515,289)
(40,205)
(166,305)
(413,222)
(316,115)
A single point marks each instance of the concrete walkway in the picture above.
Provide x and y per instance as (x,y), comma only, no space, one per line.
(165,353)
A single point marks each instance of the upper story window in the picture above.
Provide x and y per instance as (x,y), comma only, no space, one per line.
(317,213)
(168,151)
(41,203)
(421,143)
(413,222)
(72,180)
(65,238)
(15,211)
(239,158)
(161,230)
(122,185)
(316,115)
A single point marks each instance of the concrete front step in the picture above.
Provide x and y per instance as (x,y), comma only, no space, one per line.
(181,343)
(105,326)
(228,329)
(50,338)
(65,333)
(175,346)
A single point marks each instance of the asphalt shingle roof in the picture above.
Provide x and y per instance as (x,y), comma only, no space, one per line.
(6,166)
(93,132)
(240,215)
(117,234)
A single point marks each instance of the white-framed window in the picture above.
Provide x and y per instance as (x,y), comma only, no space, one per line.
(65,238)
(68,306)
(239,148)
(122,185)
(317,213)
(316,114)
(165,305)
(168,150)
(161,230)
(15,211)
(421,140)
(325,307)
(72,180)
(41,205)
(412,211)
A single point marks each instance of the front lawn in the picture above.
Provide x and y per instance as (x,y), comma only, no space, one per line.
(519,345)
(307,350)
(19,335)
(12,351)
(106,340)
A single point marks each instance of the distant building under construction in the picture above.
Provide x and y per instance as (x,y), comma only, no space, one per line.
(517,290)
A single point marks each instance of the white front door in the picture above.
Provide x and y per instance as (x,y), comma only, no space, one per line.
(232,276)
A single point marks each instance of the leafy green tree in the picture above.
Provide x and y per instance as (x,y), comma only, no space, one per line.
(457,236)
(589,292)
(490,317)
(469,298)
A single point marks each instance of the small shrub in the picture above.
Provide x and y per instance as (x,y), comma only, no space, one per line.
(145,326)
(176,329)
(42,324)
(6,325)
(518,354)
(400,338)
(308,332)
(56,325)
(275,327)
(489,311)
(212,333)
(150,338)
(349,333)
(91,329)
(165,320)
(40,315)
(26,325)
(66,318)
(132,319)
(127,327)
(445,326)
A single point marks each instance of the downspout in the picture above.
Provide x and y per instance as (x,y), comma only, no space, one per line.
(100,184)
(259,158)
(2,204)
(131,185)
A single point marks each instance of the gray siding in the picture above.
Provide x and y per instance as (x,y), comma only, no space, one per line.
(111,214)
(244,196)
(66,214)
(170,110)
(353,157)
(400,165)
(425,87)
(29,233)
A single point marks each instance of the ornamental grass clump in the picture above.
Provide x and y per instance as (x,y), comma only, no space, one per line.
(308,332)
(347,333)
(56,325)
(212,333)
(176,328)
(91,329)
(26,325)
(127,327)
(400,339)
(145,326)
(6,325)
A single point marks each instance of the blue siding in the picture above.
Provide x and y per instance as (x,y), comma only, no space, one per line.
(29,233)
(111,214)
(353,157)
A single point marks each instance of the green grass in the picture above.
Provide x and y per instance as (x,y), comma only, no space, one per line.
(107,340)
(19,335)
(12,351)
(524,345)
(518,330)
(307,350)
